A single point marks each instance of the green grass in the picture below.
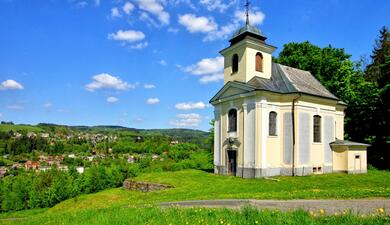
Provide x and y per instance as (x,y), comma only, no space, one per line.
(28,128)
(195,185)
(156,216)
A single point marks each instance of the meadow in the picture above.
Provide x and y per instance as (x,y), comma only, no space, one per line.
(120,206)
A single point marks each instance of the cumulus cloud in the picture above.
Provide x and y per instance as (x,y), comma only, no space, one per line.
(163,62)
(190,105)
(155,8)
(219,5)
(211,78)
(15,107)
(107,81)
(140,45)
(210,69)
(149,86)
(255,18)
(115,12)
(112,99)
(127,35)
(206,66)
(187,120)
(10,85)
(195,24)
(222,33)
(152,101)
(128,7)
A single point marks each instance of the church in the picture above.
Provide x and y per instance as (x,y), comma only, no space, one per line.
(272,119)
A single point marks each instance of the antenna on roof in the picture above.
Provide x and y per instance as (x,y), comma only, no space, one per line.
(247,4)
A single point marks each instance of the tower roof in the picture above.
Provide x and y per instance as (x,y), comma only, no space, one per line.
(247,30)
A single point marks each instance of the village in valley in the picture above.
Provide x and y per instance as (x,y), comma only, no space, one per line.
(64,148)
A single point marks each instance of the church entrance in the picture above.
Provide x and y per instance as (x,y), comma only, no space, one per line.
(232,162)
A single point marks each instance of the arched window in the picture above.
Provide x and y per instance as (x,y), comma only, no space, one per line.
(272,124)
(259,62)
(317,128)
(232,117)
(235,63)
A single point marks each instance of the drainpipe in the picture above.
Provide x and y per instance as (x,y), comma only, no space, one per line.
(293,132)
(243,142)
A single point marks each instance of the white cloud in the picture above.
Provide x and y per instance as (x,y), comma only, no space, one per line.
(15,107)
(112,99)
(115,12)
(47,105)
(222,33)
(206,66)
(10,85)
(211,78)
(127,35)
(140,45)
(255,18)
(1,115)
(154,7)
(163,62)
(107,81)
(210,69)
(152,101)
(199,24)
(187,120)
(149,86)
(128,7)
(219,5)
(190,105)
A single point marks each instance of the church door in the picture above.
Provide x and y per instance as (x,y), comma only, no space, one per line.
(232,162)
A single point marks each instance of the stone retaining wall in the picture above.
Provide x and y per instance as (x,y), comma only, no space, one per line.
(144,186)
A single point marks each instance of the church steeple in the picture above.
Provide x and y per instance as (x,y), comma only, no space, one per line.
(247,4)
(248,55)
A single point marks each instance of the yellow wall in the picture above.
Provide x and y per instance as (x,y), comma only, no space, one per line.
(251,64)
(340,158)
(274,144)
(357,164)
(246,51)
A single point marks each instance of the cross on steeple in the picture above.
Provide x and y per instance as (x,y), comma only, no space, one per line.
(247,4)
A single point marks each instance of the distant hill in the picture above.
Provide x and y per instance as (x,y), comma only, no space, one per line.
(182,135)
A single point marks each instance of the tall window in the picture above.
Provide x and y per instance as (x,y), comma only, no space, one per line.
(259,62)
(317,128)
(232,115)
(272,124)
(235,63)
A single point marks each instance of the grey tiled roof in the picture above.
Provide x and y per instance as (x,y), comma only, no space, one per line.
(285,79)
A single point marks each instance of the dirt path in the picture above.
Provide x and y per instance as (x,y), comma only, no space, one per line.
(356,206)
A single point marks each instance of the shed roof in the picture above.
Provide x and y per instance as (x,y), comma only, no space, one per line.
(347,143)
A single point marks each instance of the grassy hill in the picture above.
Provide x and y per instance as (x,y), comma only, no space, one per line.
(119,206)
(15,128)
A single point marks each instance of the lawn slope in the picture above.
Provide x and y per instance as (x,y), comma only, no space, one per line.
(194,184)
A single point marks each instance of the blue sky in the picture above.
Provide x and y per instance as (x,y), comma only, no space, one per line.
(150,63)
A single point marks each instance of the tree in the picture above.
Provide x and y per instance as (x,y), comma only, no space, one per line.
(378,72)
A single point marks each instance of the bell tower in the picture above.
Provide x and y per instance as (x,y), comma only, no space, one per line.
(248,55)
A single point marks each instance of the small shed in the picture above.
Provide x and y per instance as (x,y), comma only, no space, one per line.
(349,156)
